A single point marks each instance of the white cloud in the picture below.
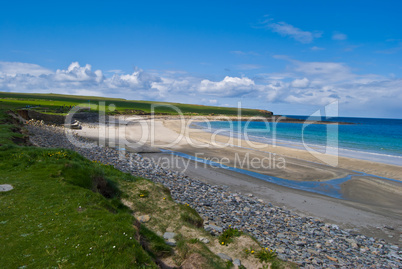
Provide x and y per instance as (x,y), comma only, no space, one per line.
(324,82)
(300,83)
(229,86)
(315,48)
(77,73)
(339,36)
(328,71)
(14,68)
(286,29)
(75,79)
(307,83)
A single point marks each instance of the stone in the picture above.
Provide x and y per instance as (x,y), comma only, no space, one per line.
(204,240)
(223,256)
(169,235)
(336,227)
(6,187)
(280,250)
(352,243)
(237,262)
(332,258)
(213,227)
(171,242)
(304,240)
(144,218)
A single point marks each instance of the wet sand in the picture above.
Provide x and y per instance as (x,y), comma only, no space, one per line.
(369,203)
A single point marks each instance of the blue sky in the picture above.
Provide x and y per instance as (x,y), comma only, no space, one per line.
(290,57)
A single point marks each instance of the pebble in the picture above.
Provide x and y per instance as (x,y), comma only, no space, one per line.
(171,242)
(223,256)
(169,235)
(204,240)
(144,218)
(327,245)
(237,262)
(6,187)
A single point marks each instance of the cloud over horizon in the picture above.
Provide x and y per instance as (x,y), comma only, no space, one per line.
(306,83)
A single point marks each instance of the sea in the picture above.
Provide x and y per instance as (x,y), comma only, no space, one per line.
(373,139)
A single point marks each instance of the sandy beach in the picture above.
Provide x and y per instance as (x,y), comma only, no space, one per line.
(367,201)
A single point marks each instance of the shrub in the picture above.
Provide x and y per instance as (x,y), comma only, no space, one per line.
(227,236)
(265,255)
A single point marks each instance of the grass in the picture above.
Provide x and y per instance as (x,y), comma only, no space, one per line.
(9,132)
(53,217)
(143,193)
(268,258)
(60,104)
(66,211)
(265,255)
(156,245)
(228,235)
(190,216)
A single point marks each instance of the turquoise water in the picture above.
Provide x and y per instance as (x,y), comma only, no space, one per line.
(371,139)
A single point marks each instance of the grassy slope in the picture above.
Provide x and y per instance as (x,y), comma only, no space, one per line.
(54,101)
(54,217)
(50,220)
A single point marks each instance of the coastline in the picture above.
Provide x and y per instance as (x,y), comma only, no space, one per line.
(352,164)
(262,209)
(368,154)
(356,209)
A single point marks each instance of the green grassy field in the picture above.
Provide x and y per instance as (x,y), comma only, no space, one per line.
(53,219)
(52,103)
(57,216)
(68,212)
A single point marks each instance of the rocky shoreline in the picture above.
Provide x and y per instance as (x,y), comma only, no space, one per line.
(306,241)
